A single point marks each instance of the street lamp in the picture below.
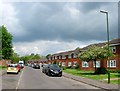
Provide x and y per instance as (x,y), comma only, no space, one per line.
(106,12)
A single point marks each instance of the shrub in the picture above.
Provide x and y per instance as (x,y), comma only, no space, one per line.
(114,71)
(77,66)
(64,67)
(68,67)
(101,70)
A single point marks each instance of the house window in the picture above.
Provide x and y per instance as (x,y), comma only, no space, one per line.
(112,63)
(60,57)
(69,63)
(75,63)
(113,48)
(85,64)
(63,57)
(49,58)
(69,56)
(55,57)
(63,64)
(74,56)
(97,64)
(52,58)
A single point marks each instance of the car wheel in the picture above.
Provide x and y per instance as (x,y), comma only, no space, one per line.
(60,75)
(49,74)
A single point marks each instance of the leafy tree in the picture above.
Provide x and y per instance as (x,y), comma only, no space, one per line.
(32,57)
(15,58)
(94,53)
(47,56)
(6,39)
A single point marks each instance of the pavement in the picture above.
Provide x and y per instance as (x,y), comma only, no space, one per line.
(2,72)
(99,84)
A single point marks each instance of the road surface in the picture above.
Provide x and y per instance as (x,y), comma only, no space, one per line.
(31,78)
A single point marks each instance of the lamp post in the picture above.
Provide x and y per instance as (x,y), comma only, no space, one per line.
(106,12)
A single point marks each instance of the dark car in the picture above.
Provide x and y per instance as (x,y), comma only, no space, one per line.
(36,66)
(53,70)
(44,67)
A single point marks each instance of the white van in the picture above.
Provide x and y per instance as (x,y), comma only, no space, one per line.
(21,63)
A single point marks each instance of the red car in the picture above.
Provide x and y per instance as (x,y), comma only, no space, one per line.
(18,67)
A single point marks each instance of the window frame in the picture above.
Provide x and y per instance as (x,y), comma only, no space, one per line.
(114,64)
(83,64)
(96,64)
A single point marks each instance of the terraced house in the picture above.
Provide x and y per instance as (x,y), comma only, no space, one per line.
(70,58)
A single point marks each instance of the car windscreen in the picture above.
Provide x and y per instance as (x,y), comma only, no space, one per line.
(54,66)
(20,63)
(45,65)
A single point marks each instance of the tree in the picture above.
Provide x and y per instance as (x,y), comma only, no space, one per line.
(6,39)
(32,57)
(94,53)
(15,58)
(47,56)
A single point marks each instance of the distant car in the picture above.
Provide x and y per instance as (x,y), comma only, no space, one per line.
(36,66)
(53,70)
(44,68)
(13,68)
(21,63)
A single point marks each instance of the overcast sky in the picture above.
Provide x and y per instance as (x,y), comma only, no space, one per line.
(51,27)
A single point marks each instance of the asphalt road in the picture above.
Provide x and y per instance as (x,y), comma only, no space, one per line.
(31,78)
(10,81)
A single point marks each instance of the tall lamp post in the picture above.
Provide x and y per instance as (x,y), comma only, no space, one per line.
(106,12)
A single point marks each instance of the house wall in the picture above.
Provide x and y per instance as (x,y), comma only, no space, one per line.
(103,63)
(4,62)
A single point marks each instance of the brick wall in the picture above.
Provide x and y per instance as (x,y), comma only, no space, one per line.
(4,62)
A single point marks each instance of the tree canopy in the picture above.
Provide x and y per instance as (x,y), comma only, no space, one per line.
(6,42)
(94,53)
(15,57)
(32,57)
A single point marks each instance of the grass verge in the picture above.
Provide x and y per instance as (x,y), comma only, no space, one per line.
(3,67)
(91,75)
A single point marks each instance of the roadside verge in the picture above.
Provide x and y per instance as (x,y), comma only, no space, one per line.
(2,72)
(94,83)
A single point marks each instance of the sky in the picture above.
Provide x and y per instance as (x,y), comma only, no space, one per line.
(52,27)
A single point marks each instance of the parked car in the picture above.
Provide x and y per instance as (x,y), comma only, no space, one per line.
(44,67)
(53,70)
(18,67)
(36,66)
(13,68)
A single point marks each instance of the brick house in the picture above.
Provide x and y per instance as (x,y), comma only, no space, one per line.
(70,58)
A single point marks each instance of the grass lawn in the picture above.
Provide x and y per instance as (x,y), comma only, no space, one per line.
(2,67)
(91,75)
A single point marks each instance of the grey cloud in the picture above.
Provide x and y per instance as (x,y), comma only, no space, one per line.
(86,7)
(50,21)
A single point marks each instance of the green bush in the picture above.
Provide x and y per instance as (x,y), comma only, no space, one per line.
(68,67)
(101,70)
(114,71)
(64,68)
(77,67)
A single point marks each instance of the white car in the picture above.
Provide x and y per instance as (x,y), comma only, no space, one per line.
(12,68)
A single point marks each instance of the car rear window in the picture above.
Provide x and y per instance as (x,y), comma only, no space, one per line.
(12,65)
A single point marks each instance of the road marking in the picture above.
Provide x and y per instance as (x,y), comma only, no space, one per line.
(19,79)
